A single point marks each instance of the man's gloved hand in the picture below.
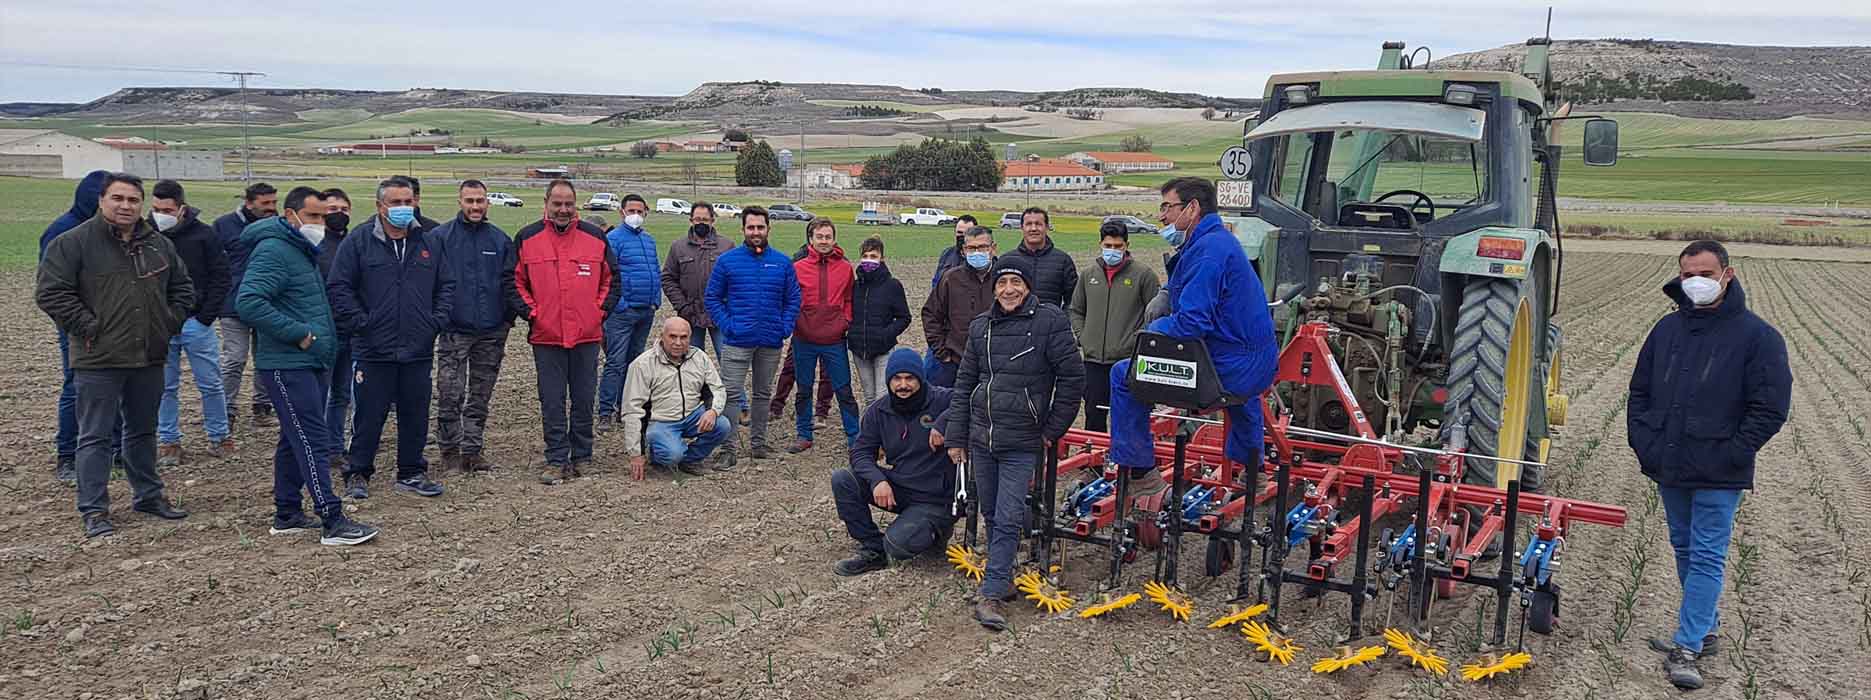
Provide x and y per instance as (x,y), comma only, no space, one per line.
(1157,308)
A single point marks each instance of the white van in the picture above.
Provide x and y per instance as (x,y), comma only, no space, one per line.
(672,206)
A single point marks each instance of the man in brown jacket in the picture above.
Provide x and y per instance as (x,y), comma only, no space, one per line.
(119,289)
(686,268)
(964,293)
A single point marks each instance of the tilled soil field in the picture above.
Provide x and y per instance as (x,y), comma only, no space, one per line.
(721,586)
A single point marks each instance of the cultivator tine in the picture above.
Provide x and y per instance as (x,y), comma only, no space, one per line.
(1245,538)
(1504,587)
(1173,507)
(1120,529)
(1489,665)
(1421,591)
(1276,550)
(1360,576)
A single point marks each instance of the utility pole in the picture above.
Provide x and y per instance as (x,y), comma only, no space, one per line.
(246,147)
(802,164)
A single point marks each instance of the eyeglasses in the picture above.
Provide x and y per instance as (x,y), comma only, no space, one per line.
(1165,207)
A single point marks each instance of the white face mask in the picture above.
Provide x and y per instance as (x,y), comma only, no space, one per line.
(163,221)
(313,232)
(1702,291)
(634,221)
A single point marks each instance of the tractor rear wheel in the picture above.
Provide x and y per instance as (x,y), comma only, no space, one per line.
(1494,374)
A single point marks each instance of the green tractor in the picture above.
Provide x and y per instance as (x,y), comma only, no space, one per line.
(1414,210)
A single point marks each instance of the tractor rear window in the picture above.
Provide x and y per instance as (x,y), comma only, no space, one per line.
(1370,165)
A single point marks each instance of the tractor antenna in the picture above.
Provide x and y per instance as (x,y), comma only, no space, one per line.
(1549,22)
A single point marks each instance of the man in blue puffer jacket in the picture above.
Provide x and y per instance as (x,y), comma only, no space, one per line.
(753,298)
(473,341)
(1710,389)
(1216,297)
(640,284)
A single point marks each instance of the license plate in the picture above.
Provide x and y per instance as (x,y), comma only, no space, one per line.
(1235,194)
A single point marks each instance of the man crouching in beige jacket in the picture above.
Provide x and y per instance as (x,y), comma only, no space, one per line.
(680,388)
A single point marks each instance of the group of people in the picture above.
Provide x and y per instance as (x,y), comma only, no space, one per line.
(348,323)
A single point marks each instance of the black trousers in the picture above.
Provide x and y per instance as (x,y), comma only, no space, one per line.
(106,396)
(563,373)
(1097,393)
(378,386)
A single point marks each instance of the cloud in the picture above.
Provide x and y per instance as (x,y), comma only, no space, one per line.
(669,46)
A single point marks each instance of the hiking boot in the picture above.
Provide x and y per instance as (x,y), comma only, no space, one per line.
(1680,666)
(342,531)
(862,562)
(554,474)
(579,467)
(799,447)
(419,485)
(161,508)
(222,448)
(604,423)
(760,452)
(97,525)
(169,455)
(1144,482)
(475,463)
(292,523)
(1664,645)
(357,486)
(691,468)
(988,613)
(451,461)
(67,470)
(263,418)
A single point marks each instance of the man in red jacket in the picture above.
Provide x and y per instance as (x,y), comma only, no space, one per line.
(825,282)
(559,277)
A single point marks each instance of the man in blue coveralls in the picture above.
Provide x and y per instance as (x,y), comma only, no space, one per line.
(1216,297)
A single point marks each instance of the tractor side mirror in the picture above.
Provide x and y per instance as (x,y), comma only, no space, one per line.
(1601,142)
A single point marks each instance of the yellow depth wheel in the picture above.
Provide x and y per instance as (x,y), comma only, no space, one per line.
(1516,398)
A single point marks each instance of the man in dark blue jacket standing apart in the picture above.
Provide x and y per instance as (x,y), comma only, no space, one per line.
(1710,389)
(237,338)
(753,299)
(1216,297)
(916,480)
(390,290)
(338,389)
(83,207)
(640,284)
(474,338)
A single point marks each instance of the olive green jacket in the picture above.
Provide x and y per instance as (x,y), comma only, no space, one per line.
(120,301)
(1107,314)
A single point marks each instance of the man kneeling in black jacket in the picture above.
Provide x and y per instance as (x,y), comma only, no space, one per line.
(916,480)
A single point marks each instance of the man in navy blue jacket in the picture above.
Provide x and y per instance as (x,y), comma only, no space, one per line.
(474,338)
(237,337)
(390,290)
(1216,297)
(83,207)
(1710,389)
(916,480)
(640,285)
(338,393)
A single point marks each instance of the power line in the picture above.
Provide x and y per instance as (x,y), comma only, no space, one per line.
(239,76)
(132,69)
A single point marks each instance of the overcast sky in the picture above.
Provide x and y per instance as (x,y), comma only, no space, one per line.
(72,50)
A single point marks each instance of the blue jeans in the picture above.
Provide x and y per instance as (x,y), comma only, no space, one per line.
(1002,480)
(66,442)
(203,348)
(625,333)
(807,357)
(686,440)
(1700,522)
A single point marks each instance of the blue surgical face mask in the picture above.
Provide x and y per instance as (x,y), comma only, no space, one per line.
(1111,257)
(402,217)
(1170,234)
(979,260)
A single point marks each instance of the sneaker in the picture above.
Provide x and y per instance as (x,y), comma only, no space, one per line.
(98,525)
(1680,666)
(357,486)
(988,613)
(221,449)
(292,523)
(1664,645)
(419,485)
(799,447)
(343,531)
(475,463)
(863,562)
(67,470)
(553,474)
(168,455)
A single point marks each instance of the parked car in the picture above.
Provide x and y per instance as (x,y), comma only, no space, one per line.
(603,201)
(788,212)
(926,216)
(1010,220)
(672,206)
(874,215)
(502,199)
(724,210)
(1133,225)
